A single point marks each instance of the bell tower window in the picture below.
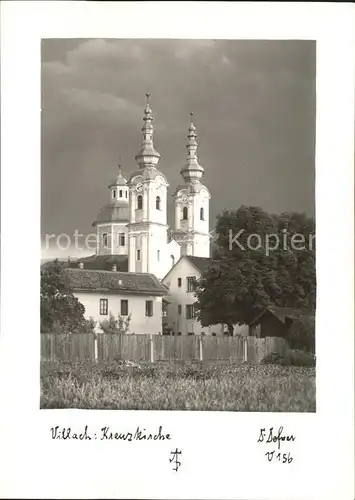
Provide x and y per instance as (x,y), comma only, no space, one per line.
(202,214)
(114,193)
(184,213)
(140,202)
(121,193)
(157,203)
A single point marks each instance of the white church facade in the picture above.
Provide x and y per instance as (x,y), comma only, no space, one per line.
(133,226)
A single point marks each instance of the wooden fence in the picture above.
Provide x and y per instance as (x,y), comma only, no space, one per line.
(155,348)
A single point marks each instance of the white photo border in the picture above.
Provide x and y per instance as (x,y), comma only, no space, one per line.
(221,457)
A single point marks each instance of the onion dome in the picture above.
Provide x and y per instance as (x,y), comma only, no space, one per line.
(120,180)
(192,171)
(147,155)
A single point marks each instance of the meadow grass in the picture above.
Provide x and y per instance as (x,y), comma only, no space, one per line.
(245,387)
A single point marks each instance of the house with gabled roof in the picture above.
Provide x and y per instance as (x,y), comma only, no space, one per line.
(276,321)
(181,311)
(135,295)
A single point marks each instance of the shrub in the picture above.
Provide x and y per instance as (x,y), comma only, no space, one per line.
(301,358)
(274,358)
(292,357)
(115,326)
(301,335)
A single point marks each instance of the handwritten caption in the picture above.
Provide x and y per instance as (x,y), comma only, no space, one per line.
(108,434)
(274,439)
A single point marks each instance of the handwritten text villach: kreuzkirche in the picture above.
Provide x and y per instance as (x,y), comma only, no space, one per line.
(106,433)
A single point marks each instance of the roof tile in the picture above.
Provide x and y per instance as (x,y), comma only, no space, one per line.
(113,281)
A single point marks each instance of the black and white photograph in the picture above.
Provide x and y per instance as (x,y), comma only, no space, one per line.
(177,250)
(178,225)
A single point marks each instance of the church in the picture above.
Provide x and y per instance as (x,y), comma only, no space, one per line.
(141,264)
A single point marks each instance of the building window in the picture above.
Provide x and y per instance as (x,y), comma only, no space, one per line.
(126,193)
(138,255)
(184,213)
(202,214)
(114,193)
(122,239)
(157,203)
(179,309)
(191,283)
(190,311)
(104,239)
(140,202)
(179,282)
(179,333)
(172,260)
(214,334)
(158,255)
(190,333)
(124,307)
(149,308)
(121,193)
(103,307)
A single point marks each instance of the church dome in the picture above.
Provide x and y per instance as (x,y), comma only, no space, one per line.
(147,155)
(192,171)
(113,212)
(120,180)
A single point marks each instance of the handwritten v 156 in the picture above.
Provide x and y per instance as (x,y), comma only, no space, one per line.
(270,437)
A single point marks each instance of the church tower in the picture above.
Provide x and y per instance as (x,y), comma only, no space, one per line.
(147,228)
(191,202)
(112,219)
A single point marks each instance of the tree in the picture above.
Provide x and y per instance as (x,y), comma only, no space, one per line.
(256,263)
(60,309)
(119,325)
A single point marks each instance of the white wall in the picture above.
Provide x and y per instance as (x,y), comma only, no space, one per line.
(113,230)
(117,230)
(180,296)
(140,323)
(194,239)
(148,228)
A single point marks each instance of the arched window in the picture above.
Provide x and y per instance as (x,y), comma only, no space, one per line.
(140,202)
(126,194)
(121,193)
(184,213)
(114,193)
(104,240)
(202,215)
(172,260)
(157,203)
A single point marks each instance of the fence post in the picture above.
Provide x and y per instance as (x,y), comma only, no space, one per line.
(201,348)
(245,349)
(95,348)
(151,348)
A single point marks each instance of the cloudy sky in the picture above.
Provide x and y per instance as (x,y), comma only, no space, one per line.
(254,110)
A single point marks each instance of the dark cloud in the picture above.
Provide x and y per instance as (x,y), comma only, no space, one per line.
(254,104)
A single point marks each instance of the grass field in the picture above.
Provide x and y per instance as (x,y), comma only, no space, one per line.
(243,387)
